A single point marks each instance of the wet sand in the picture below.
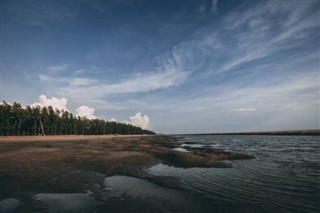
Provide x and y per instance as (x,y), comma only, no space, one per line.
(76,164)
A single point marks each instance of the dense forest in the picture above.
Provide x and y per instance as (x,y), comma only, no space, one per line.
(17,120)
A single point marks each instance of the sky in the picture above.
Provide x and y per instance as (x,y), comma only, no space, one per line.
(187,66)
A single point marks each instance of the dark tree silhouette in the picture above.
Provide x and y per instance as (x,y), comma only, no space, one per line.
(17,120)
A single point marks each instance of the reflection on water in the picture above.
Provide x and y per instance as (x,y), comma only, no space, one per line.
(283,177)
(151,195)
(68,202)
(8,205)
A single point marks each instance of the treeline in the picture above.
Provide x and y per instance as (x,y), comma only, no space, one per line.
(17,120)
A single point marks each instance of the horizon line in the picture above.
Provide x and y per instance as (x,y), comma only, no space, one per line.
(271,132)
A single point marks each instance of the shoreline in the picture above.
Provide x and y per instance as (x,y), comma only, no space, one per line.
(75,164)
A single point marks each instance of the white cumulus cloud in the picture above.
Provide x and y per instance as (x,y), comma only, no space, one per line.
(85,112)
(140,120)
(56,103)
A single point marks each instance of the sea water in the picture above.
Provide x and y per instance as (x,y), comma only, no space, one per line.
(284,176)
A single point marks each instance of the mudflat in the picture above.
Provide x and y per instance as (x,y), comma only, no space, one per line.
(71,164)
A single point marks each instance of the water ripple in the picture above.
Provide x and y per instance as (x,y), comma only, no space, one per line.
(284,176)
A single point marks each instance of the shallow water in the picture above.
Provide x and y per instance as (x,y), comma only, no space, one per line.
(284,176)
(9,205)
(76,202)
(152,196)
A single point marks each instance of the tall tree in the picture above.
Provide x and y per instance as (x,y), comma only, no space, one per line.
(16,120)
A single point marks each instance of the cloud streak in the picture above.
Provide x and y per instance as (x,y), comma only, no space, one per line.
(262,32)
(214,5)
(169,75)
(247,35)
(291,103)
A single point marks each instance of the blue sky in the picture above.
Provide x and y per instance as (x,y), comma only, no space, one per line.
(188,66)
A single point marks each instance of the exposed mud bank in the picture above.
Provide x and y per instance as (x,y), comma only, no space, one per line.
(74,164)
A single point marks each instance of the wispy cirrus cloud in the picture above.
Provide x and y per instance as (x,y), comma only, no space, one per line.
(269,28)
(250,34)
(290,103)
(57,74)
(214,5)
(72,81)
(57,68)
(168,75)
(41,14)
(53,73)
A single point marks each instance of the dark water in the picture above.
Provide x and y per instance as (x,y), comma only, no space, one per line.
(283,177)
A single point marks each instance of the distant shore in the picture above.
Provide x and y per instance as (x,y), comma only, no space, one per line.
(281,132)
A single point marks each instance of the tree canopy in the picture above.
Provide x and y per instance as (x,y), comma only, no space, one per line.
(18,120)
